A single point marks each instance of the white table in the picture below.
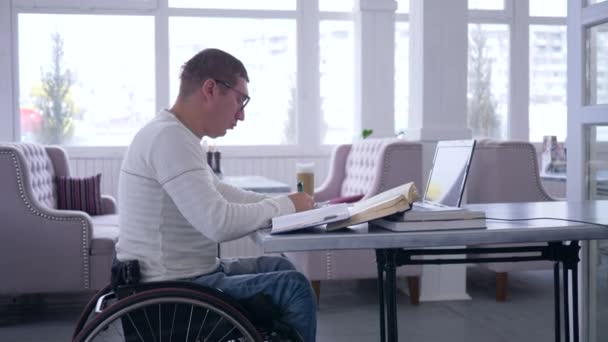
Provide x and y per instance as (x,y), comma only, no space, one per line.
(257,184)
(394,249)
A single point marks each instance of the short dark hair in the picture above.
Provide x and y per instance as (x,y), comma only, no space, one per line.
(210,64)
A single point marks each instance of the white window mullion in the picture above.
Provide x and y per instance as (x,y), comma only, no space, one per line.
(489,16)
(8,114)
(86,4)
(547,21)
(519,69)
(161,39)
(230,13)
(308,114)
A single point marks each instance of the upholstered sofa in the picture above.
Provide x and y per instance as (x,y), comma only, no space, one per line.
(43,249)
(365,167)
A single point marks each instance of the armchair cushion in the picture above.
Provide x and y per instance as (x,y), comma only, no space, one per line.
(82,194)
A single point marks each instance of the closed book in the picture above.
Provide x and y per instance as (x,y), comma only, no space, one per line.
(439,213)
(437,219)
(410,226)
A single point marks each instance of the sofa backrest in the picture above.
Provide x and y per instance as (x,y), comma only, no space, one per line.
(376,165)
(504,171)
(38,170)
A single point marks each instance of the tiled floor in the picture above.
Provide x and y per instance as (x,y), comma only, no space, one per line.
(348,311)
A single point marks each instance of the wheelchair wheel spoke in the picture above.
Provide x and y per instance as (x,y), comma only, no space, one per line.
(160,325)
(172,322)
(135,327)
(215,327)
(189,322)
(149,324)
(227,334)
(200,329)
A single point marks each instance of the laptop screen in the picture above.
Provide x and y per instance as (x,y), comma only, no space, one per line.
(448,174)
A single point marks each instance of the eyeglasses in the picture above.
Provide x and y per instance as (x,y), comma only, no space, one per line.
(243,98)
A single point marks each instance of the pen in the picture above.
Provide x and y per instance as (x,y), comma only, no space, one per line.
(300,187)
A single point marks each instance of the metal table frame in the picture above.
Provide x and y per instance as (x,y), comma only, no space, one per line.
(559,252)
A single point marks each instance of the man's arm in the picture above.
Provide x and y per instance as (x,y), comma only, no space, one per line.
(177,161)
(237,195)
(210,213)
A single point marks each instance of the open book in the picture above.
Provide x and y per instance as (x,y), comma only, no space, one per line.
(341,215)
(381,205)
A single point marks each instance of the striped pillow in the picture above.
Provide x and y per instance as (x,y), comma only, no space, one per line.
(82,194)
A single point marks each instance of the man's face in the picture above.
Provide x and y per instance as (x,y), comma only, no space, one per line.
(230,106)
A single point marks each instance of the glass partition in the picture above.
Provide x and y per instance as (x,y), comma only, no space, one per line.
(597,186)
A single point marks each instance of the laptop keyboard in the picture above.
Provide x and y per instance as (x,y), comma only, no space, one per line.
(425,206)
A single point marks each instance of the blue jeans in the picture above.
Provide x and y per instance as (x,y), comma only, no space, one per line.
(275,277)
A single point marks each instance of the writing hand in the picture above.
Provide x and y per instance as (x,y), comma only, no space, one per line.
(302,201)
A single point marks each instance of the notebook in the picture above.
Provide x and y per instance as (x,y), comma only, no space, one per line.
(448,176)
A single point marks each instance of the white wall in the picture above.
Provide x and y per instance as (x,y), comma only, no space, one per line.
(281,168)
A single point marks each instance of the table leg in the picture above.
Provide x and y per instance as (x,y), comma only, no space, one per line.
(575,301)
(570,263)
(566,304)
(556,301)
(380,264)
(391,295)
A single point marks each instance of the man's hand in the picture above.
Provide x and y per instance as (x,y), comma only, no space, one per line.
(302,201)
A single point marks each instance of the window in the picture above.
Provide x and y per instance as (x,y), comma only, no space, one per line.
(597,68)
(336,5)
(106,88)
(337,81)
(488,80)
(403,6)
(267,47)
(548,8)
(548,72)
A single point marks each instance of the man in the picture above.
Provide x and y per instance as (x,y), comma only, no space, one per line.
(174,211)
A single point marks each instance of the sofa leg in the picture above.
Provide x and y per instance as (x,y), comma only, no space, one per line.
(316,286)
(413,284)
(501,286)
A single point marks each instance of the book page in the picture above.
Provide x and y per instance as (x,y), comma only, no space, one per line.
(310,218)
(389,197)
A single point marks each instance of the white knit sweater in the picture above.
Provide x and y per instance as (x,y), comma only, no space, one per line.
(173,210)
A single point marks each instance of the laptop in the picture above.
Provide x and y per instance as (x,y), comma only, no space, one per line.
(448,176)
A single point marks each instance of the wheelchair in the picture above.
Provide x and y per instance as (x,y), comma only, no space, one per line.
(127,310)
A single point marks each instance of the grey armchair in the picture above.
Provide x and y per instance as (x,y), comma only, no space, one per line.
(366,167)
(43,249)
(506,171)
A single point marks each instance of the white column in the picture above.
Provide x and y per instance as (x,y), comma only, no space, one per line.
(519,87)
(7,107)
(438,70)
(161,50)
(375,66)
(308,83)
(438,107)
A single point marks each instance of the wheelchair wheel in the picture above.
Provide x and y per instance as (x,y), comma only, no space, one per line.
(87,312)
(169,314)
